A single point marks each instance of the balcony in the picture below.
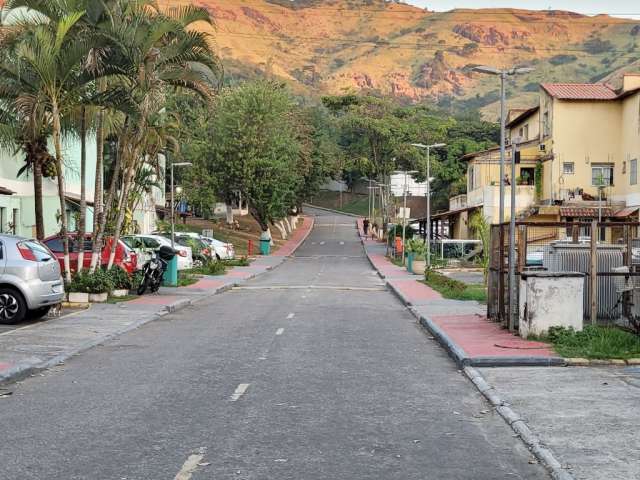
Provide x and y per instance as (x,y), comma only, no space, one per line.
(458,202)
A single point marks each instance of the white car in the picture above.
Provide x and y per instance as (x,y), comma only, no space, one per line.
(222,250)
(144,245)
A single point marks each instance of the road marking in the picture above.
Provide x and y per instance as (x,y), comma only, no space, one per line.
(189,467)
(341,243)
(290,316)
(321,243)
(310,287)
(239,391)
(280,331)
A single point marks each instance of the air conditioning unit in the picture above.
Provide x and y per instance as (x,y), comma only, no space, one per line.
(542,147)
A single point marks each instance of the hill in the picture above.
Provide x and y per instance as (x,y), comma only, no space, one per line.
(338,46)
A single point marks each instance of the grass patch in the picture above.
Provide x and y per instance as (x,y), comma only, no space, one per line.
(126,298)
(454,289)
(186,278)
(594,341)
(396,261)
(211,268)
(237,262)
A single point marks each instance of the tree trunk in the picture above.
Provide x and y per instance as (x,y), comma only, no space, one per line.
(61,190)
(285,220)
(280,226)
(37,194)
(82,221)
(258,218)
(229,214)
(122,210)
(98,208)
(102,223)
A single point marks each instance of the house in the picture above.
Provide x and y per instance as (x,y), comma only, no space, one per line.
(579,150)
(17,201)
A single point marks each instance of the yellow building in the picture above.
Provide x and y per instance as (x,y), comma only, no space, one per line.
(583,140)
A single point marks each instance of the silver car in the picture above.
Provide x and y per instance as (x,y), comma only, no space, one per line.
(30,280)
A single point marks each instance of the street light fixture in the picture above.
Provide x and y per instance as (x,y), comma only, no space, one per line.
(173,221)
(503,74)
(428,149)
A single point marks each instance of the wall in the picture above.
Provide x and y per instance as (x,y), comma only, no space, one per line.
(630,149)
(533,122)
(585,133)
(525,198)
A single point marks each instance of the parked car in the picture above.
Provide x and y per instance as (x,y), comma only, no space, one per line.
(145,245)
(125,257)
(223,250)
(201,252)
(30,279)
(220,250)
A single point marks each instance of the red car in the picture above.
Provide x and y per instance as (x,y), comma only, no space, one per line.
(125,257)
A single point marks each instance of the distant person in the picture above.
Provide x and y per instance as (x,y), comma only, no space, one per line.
(374,230)
(506,180)
(365,226)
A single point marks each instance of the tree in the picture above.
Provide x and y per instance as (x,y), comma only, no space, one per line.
(256,149)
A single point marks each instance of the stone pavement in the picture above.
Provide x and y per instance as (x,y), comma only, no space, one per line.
(460,326)
(41,345)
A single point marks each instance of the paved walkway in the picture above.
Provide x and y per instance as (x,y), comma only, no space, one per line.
(34,347)
(461,326)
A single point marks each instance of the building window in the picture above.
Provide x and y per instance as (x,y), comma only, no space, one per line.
(546,128)
(633,172)
(471,178)
(568,168)
(601,175)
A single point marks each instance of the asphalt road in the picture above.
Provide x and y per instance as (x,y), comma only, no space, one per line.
(313,371)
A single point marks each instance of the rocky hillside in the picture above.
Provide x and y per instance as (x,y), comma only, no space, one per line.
(335,46)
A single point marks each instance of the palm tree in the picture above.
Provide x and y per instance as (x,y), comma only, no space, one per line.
(156,51)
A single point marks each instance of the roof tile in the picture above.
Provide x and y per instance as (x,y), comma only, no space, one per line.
(580,91)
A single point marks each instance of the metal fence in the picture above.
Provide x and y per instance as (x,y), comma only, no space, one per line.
(608,253)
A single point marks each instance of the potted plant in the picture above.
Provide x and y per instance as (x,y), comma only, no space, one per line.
(414,245)
(418,261)
(122,282)
(77,289)
(99,285)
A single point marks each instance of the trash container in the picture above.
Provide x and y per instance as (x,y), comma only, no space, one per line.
(409,261)
(265,243)
(170,276)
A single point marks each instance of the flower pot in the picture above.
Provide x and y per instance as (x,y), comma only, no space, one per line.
(98,297)
(120,293)
(78,297)
(418,266)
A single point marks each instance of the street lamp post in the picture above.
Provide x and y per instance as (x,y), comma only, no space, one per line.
(503,74)
(428,149)
(173,221)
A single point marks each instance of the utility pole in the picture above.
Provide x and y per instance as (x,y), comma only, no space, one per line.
(428,149)
(512,240)
(503,74)
(404,217)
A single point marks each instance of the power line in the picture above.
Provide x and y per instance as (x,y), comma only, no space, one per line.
(424,46)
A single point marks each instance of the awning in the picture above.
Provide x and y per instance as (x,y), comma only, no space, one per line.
(588,212)
(626,212)
(6,191)
(75,199)
(451,213)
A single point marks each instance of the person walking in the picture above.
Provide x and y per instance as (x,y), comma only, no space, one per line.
(365,226)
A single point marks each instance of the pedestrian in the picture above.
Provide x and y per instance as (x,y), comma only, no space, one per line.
(374,230)
(365,226)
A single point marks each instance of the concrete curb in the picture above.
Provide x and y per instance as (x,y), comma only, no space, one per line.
(309,205)
(25,369)
(542,453)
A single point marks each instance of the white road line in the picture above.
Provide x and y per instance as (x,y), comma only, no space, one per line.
(321,243)
(290,316)
(280,331)
(239,391)
(189,467)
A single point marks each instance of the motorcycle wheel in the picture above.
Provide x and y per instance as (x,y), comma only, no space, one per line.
(143,286)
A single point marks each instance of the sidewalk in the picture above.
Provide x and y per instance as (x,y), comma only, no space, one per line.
(582,423)
(42,345)
(460,326)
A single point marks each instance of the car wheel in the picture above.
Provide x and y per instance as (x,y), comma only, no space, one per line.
(38,313)
(12,306)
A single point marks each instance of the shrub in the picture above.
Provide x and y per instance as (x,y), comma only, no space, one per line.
(121,278)
(99,281)
(562,59)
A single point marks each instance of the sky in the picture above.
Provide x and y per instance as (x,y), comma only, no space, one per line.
(613,7)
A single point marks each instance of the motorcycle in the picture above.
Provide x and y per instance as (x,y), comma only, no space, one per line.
(153,270)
